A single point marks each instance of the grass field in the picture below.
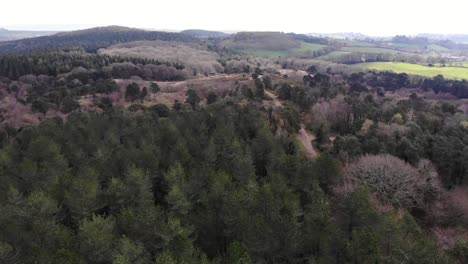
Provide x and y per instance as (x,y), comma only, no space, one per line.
(332,55)
(431,47)
(356,43)
(308,47)
(303,50)
(374,50)
(414,69)
(435,47)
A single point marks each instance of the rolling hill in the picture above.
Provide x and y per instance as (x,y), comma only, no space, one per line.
(90,39)
(8,35)
(200,33)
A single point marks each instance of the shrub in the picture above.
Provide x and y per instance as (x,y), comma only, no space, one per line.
(393,180)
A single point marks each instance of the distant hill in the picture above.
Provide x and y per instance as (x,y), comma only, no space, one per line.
(281,43)
(341,35)
(200,33)
(261,40)
(8,35)
(90,39)
(459,38)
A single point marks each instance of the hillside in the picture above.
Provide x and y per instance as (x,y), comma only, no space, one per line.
(8,35)
(121,145)
(199,33)
(275,44)
(196,58)
(262,40)
(90,39)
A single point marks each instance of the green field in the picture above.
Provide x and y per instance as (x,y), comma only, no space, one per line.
(356,43)
(431,47)
(415,69)
(308,47)
(435,47)
(303,50)
(374,50)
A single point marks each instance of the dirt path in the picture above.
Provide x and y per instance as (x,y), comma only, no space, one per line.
(218,77)
(276,101)
(304,136)
(306,140)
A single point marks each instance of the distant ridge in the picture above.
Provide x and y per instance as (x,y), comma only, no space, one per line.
(106,29)
(90,39)
(342,35)
(8,35)
(200,33)
(460,38)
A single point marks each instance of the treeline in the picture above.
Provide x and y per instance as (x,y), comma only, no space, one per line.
(90,39)
(55,62)
(390,81)
(206,186)
(310,39)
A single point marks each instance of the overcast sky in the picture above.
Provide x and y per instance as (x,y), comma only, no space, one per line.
(373,17)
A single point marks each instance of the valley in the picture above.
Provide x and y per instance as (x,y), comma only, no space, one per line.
(125,145)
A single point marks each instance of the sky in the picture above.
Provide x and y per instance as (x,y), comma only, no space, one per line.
(371,17)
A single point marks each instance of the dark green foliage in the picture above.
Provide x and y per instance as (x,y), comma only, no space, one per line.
(267,82)
(69,104)
(154,88)
(303,97)
(40,106)
(132,92)
(129,192)
(55,62)
(259,88)
(144,93)
(160,109)
(192,98)
(90,39)
(106,103)
(247,92)
(211,98)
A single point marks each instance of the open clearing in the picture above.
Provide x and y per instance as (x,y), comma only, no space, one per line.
(415,69)
(375,50)
(358,43)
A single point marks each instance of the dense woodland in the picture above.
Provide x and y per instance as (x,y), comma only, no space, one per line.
(213,184)
(221,177)
(89,39)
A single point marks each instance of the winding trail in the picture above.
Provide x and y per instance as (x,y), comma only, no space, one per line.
(306,139)
(304,136)
(177,89)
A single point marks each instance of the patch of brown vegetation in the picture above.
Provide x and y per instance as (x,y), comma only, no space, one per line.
(448,237)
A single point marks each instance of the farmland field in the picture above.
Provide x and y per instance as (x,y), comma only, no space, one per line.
(430,47)
(303,50)
(357,43)
(414,69)
(374,50)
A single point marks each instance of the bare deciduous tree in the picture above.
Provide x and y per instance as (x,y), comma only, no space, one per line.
(393,180)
